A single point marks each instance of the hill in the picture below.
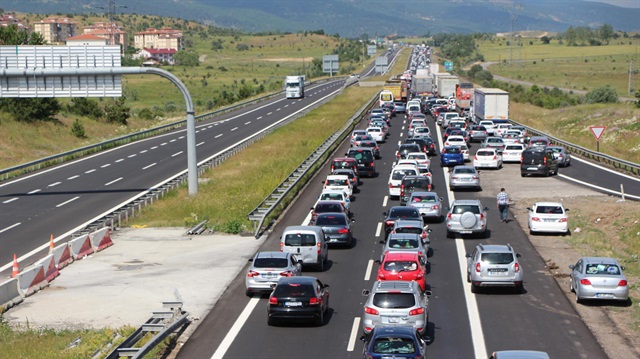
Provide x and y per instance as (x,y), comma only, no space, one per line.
(352,18)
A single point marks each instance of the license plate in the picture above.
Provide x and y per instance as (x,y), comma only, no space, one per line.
(465,232)
(269,275)
(549,220)
(293,304)
(497,273)
(333,239)
(532,168)
(604,295)
(393,320)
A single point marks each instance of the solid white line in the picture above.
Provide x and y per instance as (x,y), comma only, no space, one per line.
(176,154)
(354,334)
(34,191)
(11,200)
(149,166)
(233,129)
(201,143)
(220,135)
(235,329)
(67,202)
(114,181)
(73,177)
(307,219)
(105,165)
(379,229)
(54,184)
(597,187)
(367,273)
(246,123)
(11,226)
(604,168)
(384,201)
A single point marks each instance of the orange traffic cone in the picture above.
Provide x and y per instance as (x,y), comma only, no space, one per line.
(51,244)
(16,270)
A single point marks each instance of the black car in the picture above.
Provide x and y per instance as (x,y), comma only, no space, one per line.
(399,212)
(298,298)
(406,148)
(538,161)
(412,184)
(336,227)
(394,342)
(365,159)
(373,145)
(424,146)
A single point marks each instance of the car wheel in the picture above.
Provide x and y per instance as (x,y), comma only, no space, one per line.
(474,288)
(468,277)
(248,293)
(578,300)
(320,319)
(321,266)
(520,288)
(521,174)
(450,235)
(571,286)
(271,321)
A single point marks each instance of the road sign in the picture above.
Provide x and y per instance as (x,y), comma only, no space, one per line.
(371,50)
(330,64)
(597,131)
(448,66)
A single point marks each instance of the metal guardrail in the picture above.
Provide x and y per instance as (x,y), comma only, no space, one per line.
(611,161)
(299,177)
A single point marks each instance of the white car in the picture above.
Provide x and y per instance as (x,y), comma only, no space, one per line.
(421,131)
(501,129)
(548,217)
(414,124)
(420,157)
(336,195)
(487,157)
(339,183)
(376,133)
(512,152)
(455,140)
(396,176)
(489,126)
(407,162)
(465,152)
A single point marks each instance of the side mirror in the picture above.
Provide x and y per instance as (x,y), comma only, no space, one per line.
(382,241)
(622,267)
(326,286)
(566,209)
(377,261)
(384,214)
(250,259)
(486,208)
(428,293)
(518,255)
(571,266)
(273,286)
(363,338)
(468,255)
(366,292)
(529,208)
(429,230)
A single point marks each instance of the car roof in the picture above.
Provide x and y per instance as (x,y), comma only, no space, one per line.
(464,167)
(400,255)
(415,236)
(391,331)
(521,354)
(340,159)
(337,177)
(328,201)
(272,254)
(424,193)
(405,221)
(466,201)
(334,214)
(392,285)
(548,204)
(495,248)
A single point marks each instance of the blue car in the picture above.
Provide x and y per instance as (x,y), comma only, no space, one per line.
(451,156)
(394,342)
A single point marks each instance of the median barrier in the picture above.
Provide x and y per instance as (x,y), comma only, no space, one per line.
(101,239)
(49,266)
(62,255)
(9,294)
(80,247)
(31,280)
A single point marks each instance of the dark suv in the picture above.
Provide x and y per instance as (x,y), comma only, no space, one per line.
(538,161)
(365,159)
(412,184)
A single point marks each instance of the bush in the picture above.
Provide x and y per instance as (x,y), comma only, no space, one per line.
(83,106)
(604,94)
(77,129)
(145,114)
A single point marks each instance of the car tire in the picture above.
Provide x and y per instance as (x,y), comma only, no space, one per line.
(571,286)
(271,322)
(468,277)
(520,288)
(248,293)
(450,235)
(320,319)
(578,300)
(474,288)
(522,174)
(321,266)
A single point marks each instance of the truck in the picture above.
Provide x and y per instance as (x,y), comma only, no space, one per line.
(422,71)
(464,94)
(491,104)
(446,85)
(434,68)
(399,89)
(421,85)
(294,86)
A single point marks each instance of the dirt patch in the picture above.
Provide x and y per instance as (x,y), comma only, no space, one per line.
(289,59)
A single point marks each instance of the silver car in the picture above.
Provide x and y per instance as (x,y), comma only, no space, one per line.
(598,278)
(396,303)
(267,268)
(464,177)
(562,155)
(428,204)
(494,265)
(466,216)
(405,242)
(493,142)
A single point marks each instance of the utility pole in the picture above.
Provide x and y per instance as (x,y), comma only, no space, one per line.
(630,77)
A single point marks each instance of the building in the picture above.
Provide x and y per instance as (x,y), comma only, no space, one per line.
(159,39)
(86,40)
(110,31)
(7,20)
(56,30)
(159,55)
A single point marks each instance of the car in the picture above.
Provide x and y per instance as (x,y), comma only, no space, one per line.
(415,226)
(548,217)
(416,123)
(400,106)
(324,206)
(410,184)
(308,243)
(464,177)
(373,145)
(501,128)
(428,204)
(355,133)
(420,157)
(376,133)
(489,126)
(408,242)
(344,162)
(519,354)
(353,176)
(477,133)
(425,170)
(455,140)
(394,303)
(538,161)
(512,152)
(466,216)
(421,142)
(408,266)
(407,148)
(395,178)
(390,108)
(298,298)
(598,278)
(422,131)
(339,182)
(267,268)
(539,141)
(458,123)
(336,195)
(357,141)
(399,212)
(488,158)
(406,162)
(447,132)
(451,156)
(494,265)
(431,146)
(394,342)
(336,227)
(465,152)
(562,155)
(365,160)
(446,118)
(510,137)
(493,142)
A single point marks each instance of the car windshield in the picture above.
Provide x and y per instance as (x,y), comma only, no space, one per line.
(293,290)
(414,230)
(328,207)
(331,221)
(270,262)
(397,266)
(300,240)
(549,209)
(424,199)
(394,345)
(403,243)
(464,170)
(399,174)
(394,300)
(602,268)
(462,208)
(497,258)
(485,153)
(331,197)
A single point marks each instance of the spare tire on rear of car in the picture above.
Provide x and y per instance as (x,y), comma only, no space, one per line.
(468,220)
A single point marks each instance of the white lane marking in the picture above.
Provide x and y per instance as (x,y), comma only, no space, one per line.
(202,129)
(163,144)
(402,128)
(379,229)
(354,334)
(122,159)
(11,226)
(174,140)
(367,273)
(89,171)
(201,143)
(105,165)
(149,166)
(401,134)
(246,123)
(477,336)
(143,151)
(233,129)
(153,148)
(269,113)
(259,118)
(176,154)
(67,202)
(133,155)
(235,329)
(54,184)
(399,143)
(384,201)
(220,135)
(34,191)
(597,187)
(286,106)
(278,109)
(11,200)
(181,137)
(72,177)
(114,181)
(307,219)
(604,168)
(216,124)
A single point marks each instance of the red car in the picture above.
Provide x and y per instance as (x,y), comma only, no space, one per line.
(403,266)
(344,162)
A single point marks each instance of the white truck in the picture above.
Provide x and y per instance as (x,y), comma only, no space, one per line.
(447,85)
(294,86)
(434,68)
(491,104)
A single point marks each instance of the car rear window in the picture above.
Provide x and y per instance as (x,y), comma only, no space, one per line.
(459,209)
(532,157)
(549,209)
(331,221)
(514,147)
(337,182)
(602,268)
(397,266)
(497,258)
(485,153)
(403,243)
(342,164)
(361,155)
(300,240)
(394,345)
(414,230)
(324,207)
(452,150)
(293,290)
(399,174)
(394,300)
(331,197)
(404,212)
(424,199)
(270,262)
(416,183)
(464,170)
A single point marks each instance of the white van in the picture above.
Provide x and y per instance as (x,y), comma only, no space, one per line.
(308,243)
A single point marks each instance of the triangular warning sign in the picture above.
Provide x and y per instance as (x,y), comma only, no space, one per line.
(597,131)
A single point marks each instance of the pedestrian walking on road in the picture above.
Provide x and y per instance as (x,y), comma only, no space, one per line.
(503,204)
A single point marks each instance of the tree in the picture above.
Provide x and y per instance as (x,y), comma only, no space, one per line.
(186,58)
(31,109)
(605,94)
(545,40)
(605,33)
(83,106)
(117,111)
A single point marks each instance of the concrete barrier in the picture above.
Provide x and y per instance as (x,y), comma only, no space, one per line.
(49,266)
(9,294)
(101,239)
(80,247)
(62,255)
(31,280)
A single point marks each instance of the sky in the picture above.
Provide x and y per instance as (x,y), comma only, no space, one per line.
(622,3)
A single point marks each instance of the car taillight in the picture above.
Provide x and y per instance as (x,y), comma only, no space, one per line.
(423,235)
(481,216)
(273,300)
(420,275)
(454,177)
(319,245)
(516,267)
(622,283)
(585,282)
(371,164)
(252,273)
(315,301)
(562,220)
(389,223)
(417,311)
(544,161)
(370,310)
(435,207)
(475,157)
(343,230)
(281,246)
(449,216)
(478,267)
(475,177)
(535,219)
(287,273)
(397,154)
(495,157)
